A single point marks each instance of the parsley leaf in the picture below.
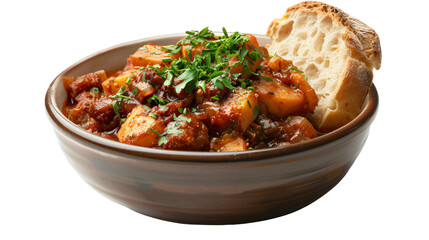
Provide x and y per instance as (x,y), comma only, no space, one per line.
(189,76)
(157,100)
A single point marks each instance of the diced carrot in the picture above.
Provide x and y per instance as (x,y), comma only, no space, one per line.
(150,54)
(112,85)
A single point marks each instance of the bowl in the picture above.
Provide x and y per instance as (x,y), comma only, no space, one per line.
(204,187)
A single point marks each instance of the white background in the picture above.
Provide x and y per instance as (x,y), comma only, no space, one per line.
(384,195)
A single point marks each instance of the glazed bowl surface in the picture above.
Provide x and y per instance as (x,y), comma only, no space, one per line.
(204,187)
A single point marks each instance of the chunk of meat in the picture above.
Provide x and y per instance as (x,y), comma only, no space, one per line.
(78,113)
(297,129)
(144,90)
(102,110)
(237,110)
(74,86)
(140,128)
(187,132)
(150,54)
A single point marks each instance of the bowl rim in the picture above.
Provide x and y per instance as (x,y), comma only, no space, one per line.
(362,121)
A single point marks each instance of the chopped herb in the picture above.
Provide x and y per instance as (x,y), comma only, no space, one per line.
(154,131)
(169,79)
(155,67)
(227,83)
(271,93)
(218,83)
(152,84)
(135,91)
(173,49)
(249,104)
(157,100)
(144,76)
(189,76)
(143,49)
(153,115)
(243,85)
(173,129)
(267,78)
(163,108)
(251,88)
(162,140)
(147,108)
(121,94)
(167,60)
(128,81)
(115,107)
(296,70)
(202,85)
(94,90)
(225,32)
(182,110)
(216,97)
(255,112)
(182,118)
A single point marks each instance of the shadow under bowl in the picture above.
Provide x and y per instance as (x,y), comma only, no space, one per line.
(204,187)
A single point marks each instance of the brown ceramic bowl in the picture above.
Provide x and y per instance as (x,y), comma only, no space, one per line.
(204,187)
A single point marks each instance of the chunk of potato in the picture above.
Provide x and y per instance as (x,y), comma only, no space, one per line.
(280,99)
(242,106)
(238,144)
(310,95)
(140,129)
(150,54)
(229,143)
(295,78)
(112,85)
(237,110)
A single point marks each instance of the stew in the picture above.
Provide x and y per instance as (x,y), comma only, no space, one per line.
(204,93)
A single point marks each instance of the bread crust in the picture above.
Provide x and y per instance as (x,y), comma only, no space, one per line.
(356,78)
(350,96)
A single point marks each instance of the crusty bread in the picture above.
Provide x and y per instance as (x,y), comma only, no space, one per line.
(336,52)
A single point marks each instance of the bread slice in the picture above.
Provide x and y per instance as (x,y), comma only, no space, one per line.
(337,53)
